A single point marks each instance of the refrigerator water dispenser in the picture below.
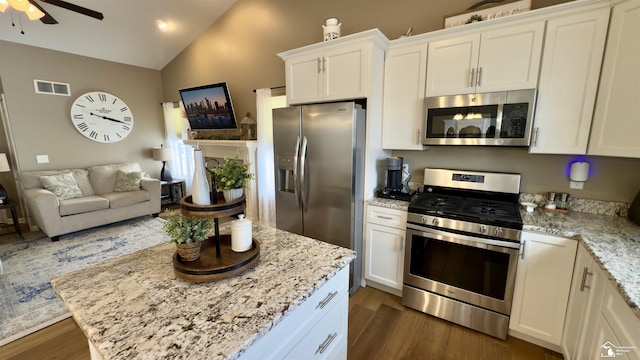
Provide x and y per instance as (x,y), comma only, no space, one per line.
(285,179)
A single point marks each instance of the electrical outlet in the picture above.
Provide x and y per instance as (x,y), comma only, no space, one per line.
(576,184)
(42,159)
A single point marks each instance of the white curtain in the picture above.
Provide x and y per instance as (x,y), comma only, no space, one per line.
(265,169)
(176,127)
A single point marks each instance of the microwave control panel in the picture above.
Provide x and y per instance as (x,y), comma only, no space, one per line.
(514,120)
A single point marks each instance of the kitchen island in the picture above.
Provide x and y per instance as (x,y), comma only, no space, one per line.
(135,306)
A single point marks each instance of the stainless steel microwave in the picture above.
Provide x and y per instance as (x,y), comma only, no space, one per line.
(497,118)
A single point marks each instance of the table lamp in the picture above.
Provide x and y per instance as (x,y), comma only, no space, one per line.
(163,154)
(4,167)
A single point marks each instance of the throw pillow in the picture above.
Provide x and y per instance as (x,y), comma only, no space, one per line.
(128,181)
(64,186)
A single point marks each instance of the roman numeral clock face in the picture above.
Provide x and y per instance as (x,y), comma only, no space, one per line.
(101,117)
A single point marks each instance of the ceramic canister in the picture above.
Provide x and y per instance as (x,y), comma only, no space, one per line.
(241,234)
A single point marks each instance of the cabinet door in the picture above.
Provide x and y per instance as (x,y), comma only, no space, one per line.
(510,58)
(451,65)
(616,129)
(345,72)
(404,86)
(542,286)
(584,305)
(568,82)
(304,74)
(384,255)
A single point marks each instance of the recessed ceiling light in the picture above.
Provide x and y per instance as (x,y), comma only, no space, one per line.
(162,24)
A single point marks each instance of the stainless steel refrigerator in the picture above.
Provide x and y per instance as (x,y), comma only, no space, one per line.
(319,160)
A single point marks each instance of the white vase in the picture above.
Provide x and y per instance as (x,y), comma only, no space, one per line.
(200,185)
(233,194)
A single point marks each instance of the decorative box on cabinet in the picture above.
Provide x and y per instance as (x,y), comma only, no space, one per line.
(384,248)
(568,82)
(616,129)
(543,280)
(404,85)
(339,69)
(478,62)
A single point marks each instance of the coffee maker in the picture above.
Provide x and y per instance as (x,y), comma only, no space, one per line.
(396,184)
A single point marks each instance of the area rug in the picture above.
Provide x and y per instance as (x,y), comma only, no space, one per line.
(27,301)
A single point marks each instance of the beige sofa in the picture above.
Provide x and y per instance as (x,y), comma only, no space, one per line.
(106,195)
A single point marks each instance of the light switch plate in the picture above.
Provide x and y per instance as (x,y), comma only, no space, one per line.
(576,184)
(42,159)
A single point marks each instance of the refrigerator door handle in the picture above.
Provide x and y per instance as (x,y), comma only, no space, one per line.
(303,160)
(296,183)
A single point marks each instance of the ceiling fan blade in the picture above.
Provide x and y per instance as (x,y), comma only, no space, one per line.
(76,8)
(47,18)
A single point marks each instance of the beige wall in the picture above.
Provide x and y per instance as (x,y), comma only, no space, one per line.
(241,49)
(41,124)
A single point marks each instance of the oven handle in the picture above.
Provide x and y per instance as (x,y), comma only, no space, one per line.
(460,239)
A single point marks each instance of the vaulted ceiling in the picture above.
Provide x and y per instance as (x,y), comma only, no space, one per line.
(128,33)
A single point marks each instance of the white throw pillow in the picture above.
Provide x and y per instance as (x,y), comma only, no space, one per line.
(64,186)
(128,181)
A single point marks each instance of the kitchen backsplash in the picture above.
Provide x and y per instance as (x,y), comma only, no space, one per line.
(584,205)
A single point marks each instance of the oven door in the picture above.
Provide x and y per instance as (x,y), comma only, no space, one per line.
(473,270)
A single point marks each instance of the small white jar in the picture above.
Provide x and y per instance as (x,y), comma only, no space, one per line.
(241,234)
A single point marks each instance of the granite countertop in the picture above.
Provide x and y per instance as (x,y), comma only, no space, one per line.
(135,306)
(613,241)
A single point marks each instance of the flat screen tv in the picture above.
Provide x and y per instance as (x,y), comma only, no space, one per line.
(209,107)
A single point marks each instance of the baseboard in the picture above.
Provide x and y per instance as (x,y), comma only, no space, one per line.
(533,340)
(384,288)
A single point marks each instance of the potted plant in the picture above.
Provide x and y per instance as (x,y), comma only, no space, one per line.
(231,177)
(188,233)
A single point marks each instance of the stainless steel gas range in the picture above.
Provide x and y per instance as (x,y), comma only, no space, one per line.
(463,241)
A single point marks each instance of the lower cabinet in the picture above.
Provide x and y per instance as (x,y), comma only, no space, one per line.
(384,248)
(543,280)
(317,329)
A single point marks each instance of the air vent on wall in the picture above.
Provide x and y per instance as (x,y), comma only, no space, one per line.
(51,87)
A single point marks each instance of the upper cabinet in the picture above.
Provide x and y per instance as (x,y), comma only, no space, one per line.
(339,69)
(404,82)
(616,123)
(568,83)
(506,58)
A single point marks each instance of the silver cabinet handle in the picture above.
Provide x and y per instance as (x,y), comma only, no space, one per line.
(472,77)
(324,64)
(319,68)
(325,344)
(478,78)
(418,131)
(584,285)
(524,246)
(385,217)
(326,300)
(535,136)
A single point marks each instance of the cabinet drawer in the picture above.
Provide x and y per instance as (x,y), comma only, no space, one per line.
(387,217)
(327,337)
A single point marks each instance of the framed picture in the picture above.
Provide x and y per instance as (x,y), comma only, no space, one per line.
(506,9)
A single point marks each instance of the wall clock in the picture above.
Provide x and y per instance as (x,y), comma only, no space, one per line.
(101,117)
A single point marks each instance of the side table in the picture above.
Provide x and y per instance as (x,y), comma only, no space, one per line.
(14,215)
(171,191)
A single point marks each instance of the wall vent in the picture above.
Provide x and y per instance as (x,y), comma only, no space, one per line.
(51,88)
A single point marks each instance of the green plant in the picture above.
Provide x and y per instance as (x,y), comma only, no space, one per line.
(185,230)
(232,174)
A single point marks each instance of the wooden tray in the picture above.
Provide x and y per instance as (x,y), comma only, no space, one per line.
(208,267)
(557,211)
(221,209)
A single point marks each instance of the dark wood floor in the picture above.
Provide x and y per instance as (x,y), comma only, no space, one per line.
(379,328)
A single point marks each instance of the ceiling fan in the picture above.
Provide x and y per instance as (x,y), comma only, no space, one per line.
(48,19)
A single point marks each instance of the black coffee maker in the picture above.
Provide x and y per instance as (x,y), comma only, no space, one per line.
(394,174)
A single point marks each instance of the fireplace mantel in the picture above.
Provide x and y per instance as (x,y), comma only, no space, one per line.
(246,152)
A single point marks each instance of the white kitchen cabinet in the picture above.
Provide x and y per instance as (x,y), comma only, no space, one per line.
(616,129)
(339,69)
(543,280)
(404,86)
(506,58)
(587,288)
(569,73)
(384,247)
(316,329)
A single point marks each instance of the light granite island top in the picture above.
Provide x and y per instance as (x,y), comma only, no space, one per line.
(613,241)
(135,306)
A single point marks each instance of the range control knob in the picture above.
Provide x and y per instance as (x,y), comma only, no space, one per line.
(435,221)
(483,229)
(499,231)
(424,220)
